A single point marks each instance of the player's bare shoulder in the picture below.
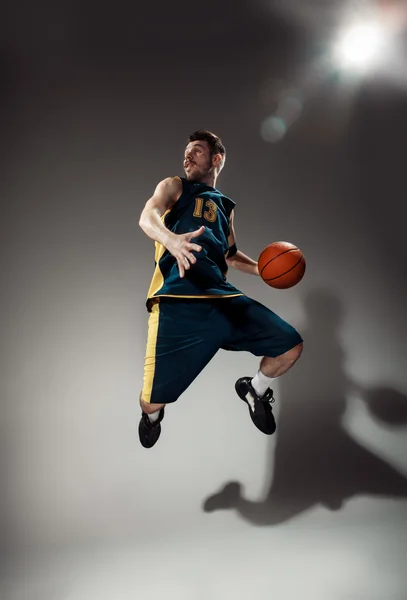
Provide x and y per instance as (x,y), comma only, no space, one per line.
(166,194)
(171,188)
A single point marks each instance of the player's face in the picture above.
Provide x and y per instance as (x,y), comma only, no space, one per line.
(197,160)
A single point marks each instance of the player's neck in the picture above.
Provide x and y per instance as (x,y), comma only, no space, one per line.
(209,180)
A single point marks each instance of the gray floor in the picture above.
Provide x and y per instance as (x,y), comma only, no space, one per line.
(356,553)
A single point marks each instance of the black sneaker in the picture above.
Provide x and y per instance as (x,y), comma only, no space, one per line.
(149,432)
(259,407)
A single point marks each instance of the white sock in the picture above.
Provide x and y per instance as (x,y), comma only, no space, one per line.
(154,416)
(261,383)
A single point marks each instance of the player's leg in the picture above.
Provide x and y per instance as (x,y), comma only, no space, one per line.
(260,331)
(272,367)
(182,339)
(150,409)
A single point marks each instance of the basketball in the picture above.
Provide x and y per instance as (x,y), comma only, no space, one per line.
(281,265)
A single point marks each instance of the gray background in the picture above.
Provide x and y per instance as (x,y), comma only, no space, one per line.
(97,103)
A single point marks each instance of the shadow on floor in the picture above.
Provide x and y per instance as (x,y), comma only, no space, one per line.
(316,462)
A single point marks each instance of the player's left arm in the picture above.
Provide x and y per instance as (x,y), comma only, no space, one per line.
(235,258)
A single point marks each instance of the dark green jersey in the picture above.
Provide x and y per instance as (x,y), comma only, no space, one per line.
(199,204)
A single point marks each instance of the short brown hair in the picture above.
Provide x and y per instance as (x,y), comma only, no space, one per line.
(214,142)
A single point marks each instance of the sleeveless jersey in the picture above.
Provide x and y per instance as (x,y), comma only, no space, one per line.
(199,204)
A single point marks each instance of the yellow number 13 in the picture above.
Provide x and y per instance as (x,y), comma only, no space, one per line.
(210,214)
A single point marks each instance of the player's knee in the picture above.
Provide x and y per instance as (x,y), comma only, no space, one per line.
(296,349)
(149,408)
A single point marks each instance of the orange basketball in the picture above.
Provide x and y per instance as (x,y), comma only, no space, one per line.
(281,265)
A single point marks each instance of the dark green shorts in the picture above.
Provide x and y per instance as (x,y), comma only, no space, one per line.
(185,334)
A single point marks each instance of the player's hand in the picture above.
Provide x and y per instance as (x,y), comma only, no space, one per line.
(181,248)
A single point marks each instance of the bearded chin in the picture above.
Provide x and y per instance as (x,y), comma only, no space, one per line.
(198,174)
(195,175)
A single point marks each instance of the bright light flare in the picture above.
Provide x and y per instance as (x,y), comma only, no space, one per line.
(361,47)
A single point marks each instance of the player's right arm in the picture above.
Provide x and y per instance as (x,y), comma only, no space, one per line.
(165,196)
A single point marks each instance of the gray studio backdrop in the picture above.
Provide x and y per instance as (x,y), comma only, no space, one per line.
(94,113)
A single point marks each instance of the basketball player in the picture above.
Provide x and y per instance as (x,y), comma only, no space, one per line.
(194,310)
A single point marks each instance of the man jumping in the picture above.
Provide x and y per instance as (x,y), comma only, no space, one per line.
(194,310)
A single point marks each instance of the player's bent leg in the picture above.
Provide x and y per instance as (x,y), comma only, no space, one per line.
(256,391)
(275,366)
(258,394)
(265,334)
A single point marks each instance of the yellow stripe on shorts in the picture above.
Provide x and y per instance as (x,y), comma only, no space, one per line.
(149,361)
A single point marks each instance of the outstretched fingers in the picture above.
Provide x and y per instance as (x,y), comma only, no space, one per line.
(197,232)
(184,257)
(181,267)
